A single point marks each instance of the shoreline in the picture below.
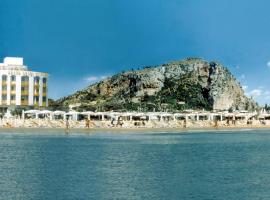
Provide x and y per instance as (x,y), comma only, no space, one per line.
(128,130)
(46,125)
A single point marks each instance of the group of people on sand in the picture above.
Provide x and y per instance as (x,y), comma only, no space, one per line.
(87,124)
(117,122)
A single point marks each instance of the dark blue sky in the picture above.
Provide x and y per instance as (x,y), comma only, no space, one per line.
(81,41)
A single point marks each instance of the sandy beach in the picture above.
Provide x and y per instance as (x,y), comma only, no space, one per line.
(26,125)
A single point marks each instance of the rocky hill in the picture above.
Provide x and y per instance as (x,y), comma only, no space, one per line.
(189,84)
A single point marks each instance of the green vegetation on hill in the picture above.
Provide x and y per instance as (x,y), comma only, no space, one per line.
(183,90)
(189,84)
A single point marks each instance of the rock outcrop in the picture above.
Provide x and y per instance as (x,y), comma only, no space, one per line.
(189,84)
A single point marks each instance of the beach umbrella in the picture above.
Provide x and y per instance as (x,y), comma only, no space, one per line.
(32,111)
(59,112)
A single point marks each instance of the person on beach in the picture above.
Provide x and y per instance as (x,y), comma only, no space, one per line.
(228,122)
(87,123)
(67,126)
(216,124)
(185,123)
(120,122)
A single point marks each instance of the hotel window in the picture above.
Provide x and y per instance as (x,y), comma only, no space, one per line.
(4,88)
(23,88)
(44,99)
(44,80)
(25,78)
(13,88)
(24,98)
(36,80)
(4,97)
(36,99)
(13,78)
(4,78)
(12,97)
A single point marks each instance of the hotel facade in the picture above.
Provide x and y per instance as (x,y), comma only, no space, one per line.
(20,86)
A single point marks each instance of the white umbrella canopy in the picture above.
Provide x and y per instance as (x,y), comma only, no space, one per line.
(229,115)
(179,114)
(72,113)
(99,113)
(87,113)
(139,114)
(127,114)
(143,117)
(59,112)
(153,117)
(113,114)
(264,115)
(166,115)
(45,112)
(32,112)
(240,115)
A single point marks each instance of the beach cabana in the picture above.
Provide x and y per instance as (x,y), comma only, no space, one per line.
(108,115)
(72,115)
(45,114)
(58,114)
(166,117)
(154,116)
(179,116)
(203,116)
(86,114)
(31,114)
(240,116)
(264,116)
(127,116)
(216,116)
(229,115)
(191,116)
(97,116)
(139,117)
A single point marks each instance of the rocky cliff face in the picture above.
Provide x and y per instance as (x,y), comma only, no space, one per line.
(191,83)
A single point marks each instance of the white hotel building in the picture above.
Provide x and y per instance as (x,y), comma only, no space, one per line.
(20,86)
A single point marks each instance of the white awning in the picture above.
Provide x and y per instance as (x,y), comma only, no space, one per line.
(32,112)
(72,113)
(45,112)
(59,112)
(87,113)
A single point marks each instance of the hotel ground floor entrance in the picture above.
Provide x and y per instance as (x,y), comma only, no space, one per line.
(3,111)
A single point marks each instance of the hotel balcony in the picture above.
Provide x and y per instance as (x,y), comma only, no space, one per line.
(4,102)
(25,93)
(13,83)
(4,91)
(13,102)
(44,104)
(24,102)
(4,82)
(12,92)
(24,84)
(36,94)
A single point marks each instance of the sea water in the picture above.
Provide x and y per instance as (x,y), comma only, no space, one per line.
(186,165)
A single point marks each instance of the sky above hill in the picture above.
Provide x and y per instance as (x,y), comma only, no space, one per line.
(81,42)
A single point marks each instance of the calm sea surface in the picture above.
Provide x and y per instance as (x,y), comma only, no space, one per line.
(195,165)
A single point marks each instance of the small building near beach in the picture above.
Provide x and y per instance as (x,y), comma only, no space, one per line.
(21,87)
